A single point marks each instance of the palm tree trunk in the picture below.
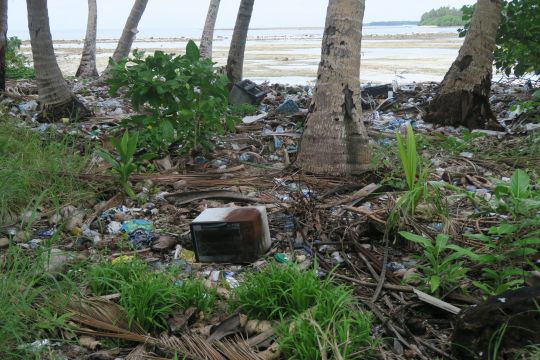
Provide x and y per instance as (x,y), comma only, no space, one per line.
(208,32)
(335,140)
(235,61)
(56,99)
(130,30)
(463,96)
(3,42)
(87,68)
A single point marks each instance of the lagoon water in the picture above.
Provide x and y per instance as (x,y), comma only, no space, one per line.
(290,55)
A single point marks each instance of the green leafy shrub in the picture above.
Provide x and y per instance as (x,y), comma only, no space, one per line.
(508,246)
(442,270)
(518,37)
(125,165)
(17,65)
(183,99)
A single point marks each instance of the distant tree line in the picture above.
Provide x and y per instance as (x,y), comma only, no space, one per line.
(443,16)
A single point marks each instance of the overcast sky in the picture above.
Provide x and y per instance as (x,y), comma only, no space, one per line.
(190,14)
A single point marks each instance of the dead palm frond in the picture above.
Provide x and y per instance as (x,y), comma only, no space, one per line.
(100,317)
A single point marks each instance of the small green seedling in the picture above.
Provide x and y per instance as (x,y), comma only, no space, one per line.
(442,269)
(125,166)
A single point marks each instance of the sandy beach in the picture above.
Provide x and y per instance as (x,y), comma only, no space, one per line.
(294,59)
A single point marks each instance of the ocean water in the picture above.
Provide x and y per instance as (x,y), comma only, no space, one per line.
(291,55)
(285,33)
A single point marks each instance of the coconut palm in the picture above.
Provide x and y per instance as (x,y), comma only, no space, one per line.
(235,61)
(87,67)
(463,96)
(3,42)
(335,140)
(55,97)
(208,32)
(129,33)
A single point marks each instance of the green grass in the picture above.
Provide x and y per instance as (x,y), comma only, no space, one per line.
(105,278)
(334,326)
(30,165)
(276,292)
(316,316)
(148,297)
(32,302)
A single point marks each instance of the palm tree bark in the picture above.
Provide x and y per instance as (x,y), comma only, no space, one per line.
(56,99)
(335,140)
(87,67)
(129,33)
(3,42)
(463,96)
(208,33)
(235,61)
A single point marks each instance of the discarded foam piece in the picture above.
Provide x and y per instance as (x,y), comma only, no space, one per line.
(231,235)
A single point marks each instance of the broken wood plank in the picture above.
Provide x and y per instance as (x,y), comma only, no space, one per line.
(357,196)
(438,303)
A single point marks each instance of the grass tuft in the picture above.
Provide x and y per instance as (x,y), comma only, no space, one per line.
(318,319)
(29,166)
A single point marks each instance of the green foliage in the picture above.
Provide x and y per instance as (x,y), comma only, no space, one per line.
(106,278)
(324,317)
(417,185)
(443,270)
(332,326)
(31,300)
(31,164)
(183,99)
(443,16)
(150,298)
(125,166)
(508,246)
(518,37)
(276,292)
(408,156)
(17,65)
(517,197)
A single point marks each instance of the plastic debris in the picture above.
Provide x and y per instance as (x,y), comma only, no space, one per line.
(229,278)
(288,107)
(114,227)
(281,258)
(136,224)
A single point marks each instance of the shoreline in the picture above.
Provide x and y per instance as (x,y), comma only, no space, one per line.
(294,58)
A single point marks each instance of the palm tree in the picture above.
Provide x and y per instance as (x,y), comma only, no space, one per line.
(3,42)
(463,96)
(130,31)
(87,68)
(208,32)
(56,99)
(235,61)
(335,140)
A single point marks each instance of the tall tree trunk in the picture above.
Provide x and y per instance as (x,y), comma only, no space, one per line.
(208,32)
(56,99)
(335,140)
(463,96)
(235,61)
(3,42)
(129,33)
(87,68)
